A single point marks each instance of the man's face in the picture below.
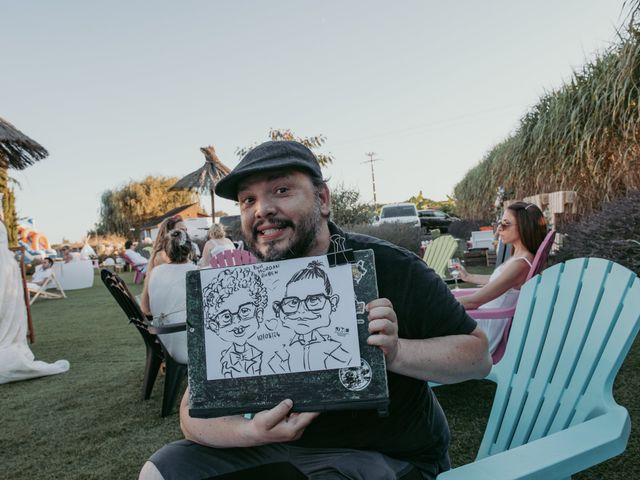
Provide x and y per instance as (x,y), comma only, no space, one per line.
(237,318)
(281,214)
(306,306)
(47,264)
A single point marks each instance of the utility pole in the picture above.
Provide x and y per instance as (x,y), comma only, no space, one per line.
(373,176)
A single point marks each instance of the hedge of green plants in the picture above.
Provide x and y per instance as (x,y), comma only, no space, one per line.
(582,137)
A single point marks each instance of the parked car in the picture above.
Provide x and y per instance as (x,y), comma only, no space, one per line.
(405,213)
(432,219)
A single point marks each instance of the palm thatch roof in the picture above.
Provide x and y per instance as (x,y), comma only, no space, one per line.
(16,149)
(205,178)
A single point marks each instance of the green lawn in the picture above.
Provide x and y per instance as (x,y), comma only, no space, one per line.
(91,423)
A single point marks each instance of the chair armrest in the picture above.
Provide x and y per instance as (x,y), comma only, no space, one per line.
(556,456)
(172,328)
(488,313)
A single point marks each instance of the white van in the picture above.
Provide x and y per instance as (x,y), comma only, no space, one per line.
(405,213)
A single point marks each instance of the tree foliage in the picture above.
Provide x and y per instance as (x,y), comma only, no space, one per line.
(313,143)
(126,207)
(347,210)
(612,233)
(422,202)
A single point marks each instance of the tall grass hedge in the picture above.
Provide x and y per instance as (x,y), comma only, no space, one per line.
(582,137)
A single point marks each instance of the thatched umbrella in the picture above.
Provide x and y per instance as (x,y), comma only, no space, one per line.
(205,178)
(16,149)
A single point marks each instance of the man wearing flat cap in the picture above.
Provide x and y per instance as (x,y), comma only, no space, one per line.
(423,331)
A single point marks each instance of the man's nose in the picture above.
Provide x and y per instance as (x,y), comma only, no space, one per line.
(265,207)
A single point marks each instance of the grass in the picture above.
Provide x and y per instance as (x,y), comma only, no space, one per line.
(90,423)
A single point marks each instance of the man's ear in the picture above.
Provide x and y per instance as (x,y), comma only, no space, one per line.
(334,300)
(325,200)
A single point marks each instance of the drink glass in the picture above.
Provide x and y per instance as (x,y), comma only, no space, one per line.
(455,273)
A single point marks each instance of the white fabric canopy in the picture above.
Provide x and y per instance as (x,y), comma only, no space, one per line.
(16,359)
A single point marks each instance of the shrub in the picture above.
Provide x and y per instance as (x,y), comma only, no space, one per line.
(406,236)
(346,208)
(612,233)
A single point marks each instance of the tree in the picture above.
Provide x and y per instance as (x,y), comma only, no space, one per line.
(310,142)
(126,207)
(422,202)
(346,208)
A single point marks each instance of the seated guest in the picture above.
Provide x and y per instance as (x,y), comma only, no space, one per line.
(167,292)
(147,249)
(158,255)
(135,257)
(41,274)
(523,226)
(218,242)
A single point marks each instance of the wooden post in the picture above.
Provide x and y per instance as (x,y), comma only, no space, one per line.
(30,332)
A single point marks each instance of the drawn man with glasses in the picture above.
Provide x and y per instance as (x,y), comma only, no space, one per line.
(234,306)
(306,308)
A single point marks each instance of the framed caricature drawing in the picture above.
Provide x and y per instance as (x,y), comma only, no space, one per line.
(260,333)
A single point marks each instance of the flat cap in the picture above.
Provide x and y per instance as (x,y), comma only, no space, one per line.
(268,156)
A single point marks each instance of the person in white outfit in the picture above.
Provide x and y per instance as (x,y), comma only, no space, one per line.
(218,242)
(41,274)
(16,359)
(524,227)
(168,293)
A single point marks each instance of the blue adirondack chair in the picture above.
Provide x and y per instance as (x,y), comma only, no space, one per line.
(553,413)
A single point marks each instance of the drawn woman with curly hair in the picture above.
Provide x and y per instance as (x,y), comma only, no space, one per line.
(234,304)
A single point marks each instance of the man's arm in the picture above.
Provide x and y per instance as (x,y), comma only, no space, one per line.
(448,359)
(269,426)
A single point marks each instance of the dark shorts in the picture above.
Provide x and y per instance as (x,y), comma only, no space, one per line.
(186,460)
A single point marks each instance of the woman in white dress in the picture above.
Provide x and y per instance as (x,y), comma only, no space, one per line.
(16,359)
(523,226)
(158,256)
(168,293)
(218,242)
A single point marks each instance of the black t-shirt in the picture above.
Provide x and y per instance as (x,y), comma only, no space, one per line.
(416,428)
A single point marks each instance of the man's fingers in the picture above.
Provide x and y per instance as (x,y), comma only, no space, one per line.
(302,419)
(383,325)
(277,414)
(379,302)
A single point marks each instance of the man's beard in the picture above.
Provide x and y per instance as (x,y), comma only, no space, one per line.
(305,235)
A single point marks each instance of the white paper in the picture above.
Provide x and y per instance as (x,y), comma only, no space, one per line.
(279,317)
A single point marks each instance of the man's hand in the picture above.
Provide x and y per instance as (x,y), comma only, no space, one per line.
(383,327)
(278,424)
(268,426)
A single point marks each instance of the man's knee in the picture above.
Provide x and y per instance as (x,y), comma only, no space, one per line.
(150,472)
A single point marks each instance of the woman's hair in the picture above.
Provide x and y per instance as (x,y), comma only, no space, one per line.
(166,226)
(531,224)
(177,246)
(217,231)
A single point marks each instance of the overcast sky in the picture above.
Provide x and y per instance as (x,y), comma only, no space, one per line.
(123,89)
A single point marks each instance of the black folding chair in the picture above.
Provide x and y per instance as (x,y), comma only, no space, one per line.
(175,372)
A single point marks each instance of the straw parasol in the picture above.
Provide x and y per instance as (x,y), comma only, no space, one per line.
(205,178)
(16,149)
